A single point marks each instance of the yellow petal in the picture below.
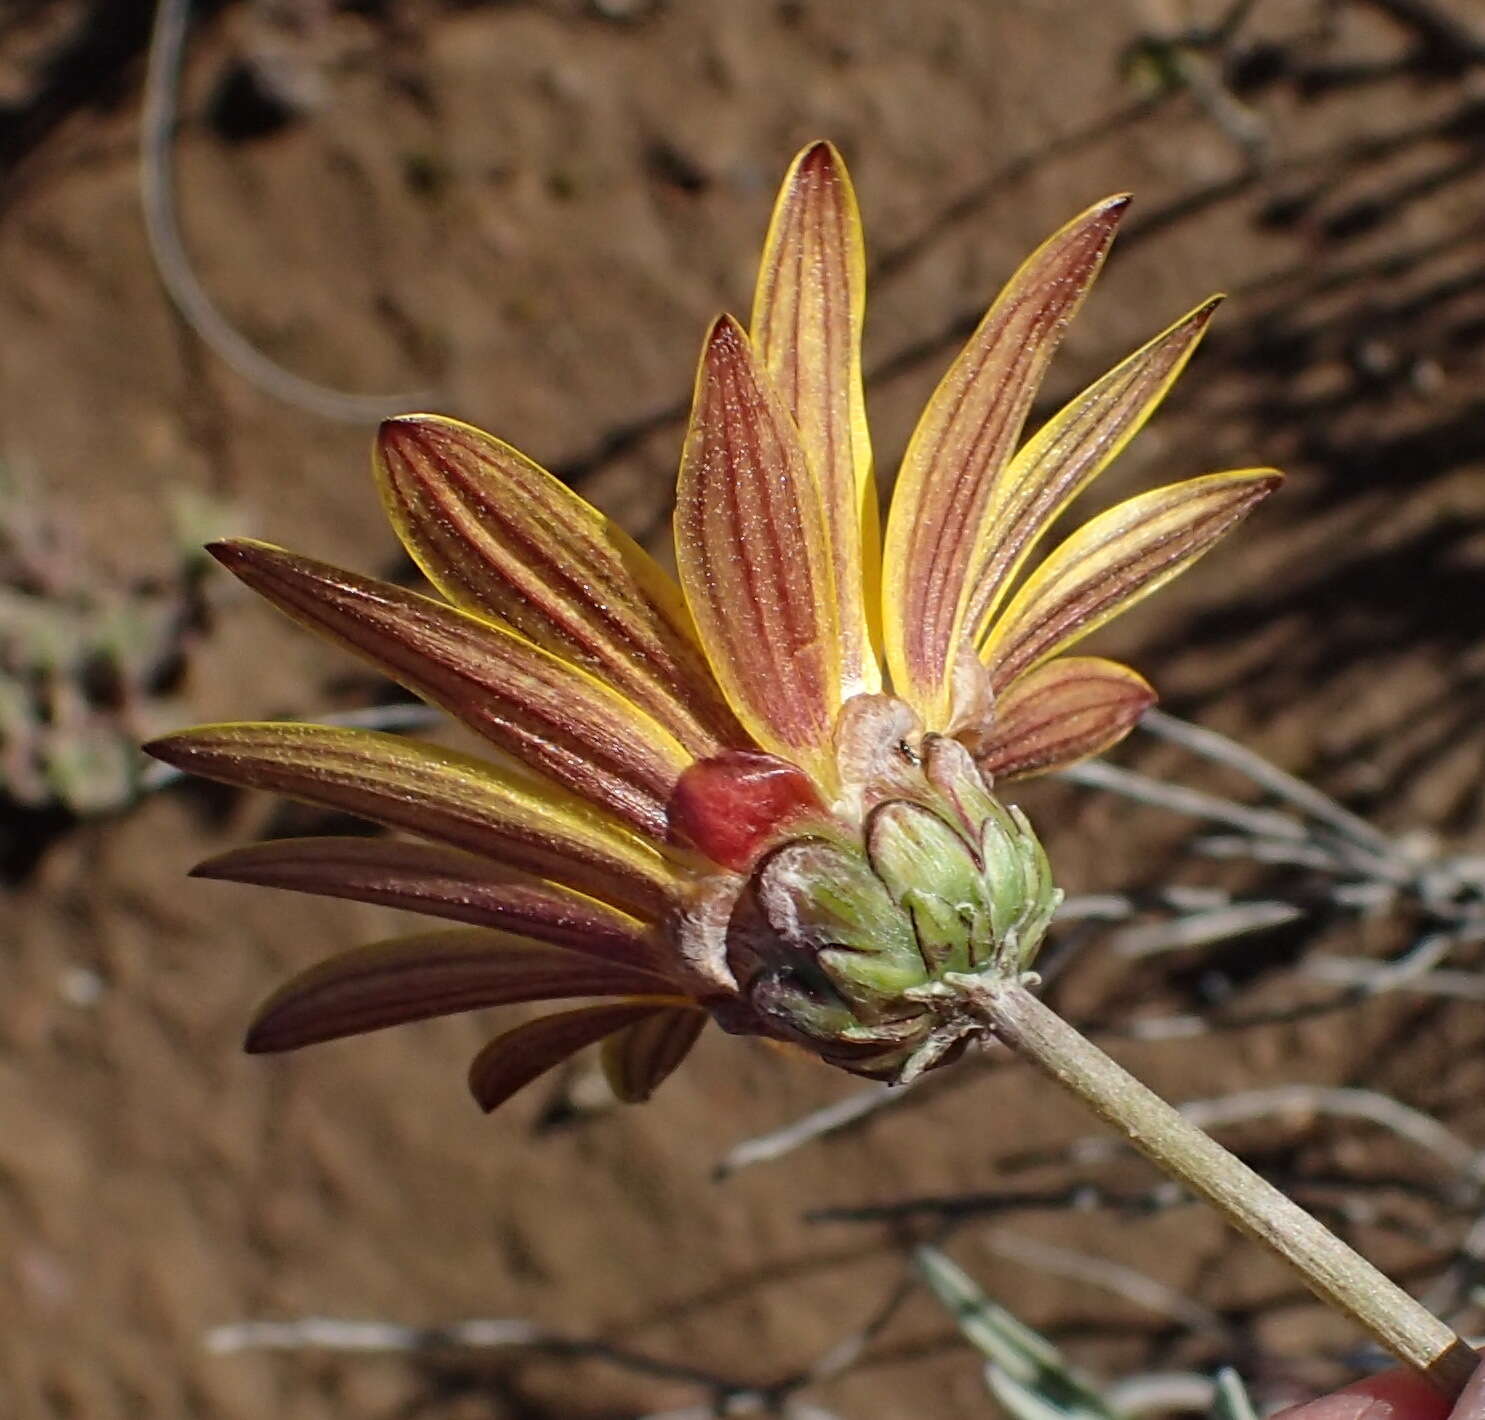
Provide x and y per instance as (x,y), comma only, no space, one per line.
(439,794)
(1113,561)
(516,1058)
(432,974)
(1068,452)
(440,882)
(961,444)
(527,702)
(638,1059)
(1068,709)
(501,537)
(807,318)
(751,548)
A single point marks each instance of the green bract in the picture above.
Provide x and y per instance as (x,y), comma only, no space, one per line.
(849,942)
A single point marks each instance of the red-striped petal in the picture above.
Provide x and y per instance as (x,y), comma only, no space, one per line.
(1068,709)
(439,794)
(1068,452)
(1114,561)
(537,708)
(432,974)
(751,546)
(807,316)
(966,434)
(503,538)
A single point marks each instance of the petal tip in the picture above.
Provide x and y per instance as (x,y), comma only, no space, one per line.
(392,431)
(170,749)
(821,156)
(238,553)
(224,549)
(396,440)
(1093,229)
(487,1098)
(258,1039)
(411,420)
(727,353)
(222,867)
(726,337)
(1100,221)
(404,432)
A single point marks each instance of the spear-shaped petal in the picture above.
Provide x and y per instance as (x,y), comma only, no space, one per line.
(524,700)
(753,553)
(1067,709)
(440,882)
(513,1060)
(439,794)
(1068,452)
(1113,561)
(500,536)
(807,317)
(968,430)
(432,974)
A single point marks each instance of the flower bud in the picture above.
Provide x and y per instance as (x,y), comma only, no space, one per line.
(843,937)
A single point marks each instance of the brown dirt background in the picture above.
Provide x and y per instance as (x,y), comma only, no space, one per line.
(534,208)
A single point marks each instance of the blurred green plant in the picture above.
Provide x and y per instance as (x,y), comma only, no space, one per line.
(1231,1400)
(1026,1373)
(88,659)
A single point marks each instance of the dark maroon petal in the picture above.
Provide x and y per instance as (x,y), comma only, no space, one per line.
(433,974)
(516,1058)
(639,1058)
(440,882)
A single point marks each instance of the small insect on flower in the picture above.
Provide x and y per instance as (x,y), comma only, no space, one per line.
(762,796)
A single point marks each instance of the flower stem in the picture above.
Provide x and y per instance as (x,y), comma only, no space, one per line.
(1337,1275)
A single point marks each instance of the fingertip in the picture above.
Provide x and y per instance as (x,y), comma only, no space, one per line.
(1392,1395)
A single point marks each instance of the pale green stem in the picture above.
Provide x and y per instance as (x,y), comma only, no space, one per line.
(1333,1271)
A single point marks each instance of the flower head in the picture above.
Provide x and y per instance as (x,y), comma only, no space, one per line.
(761,796)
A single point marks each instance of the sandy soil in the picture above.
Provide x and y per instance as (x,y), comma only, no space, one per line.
(532,210)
